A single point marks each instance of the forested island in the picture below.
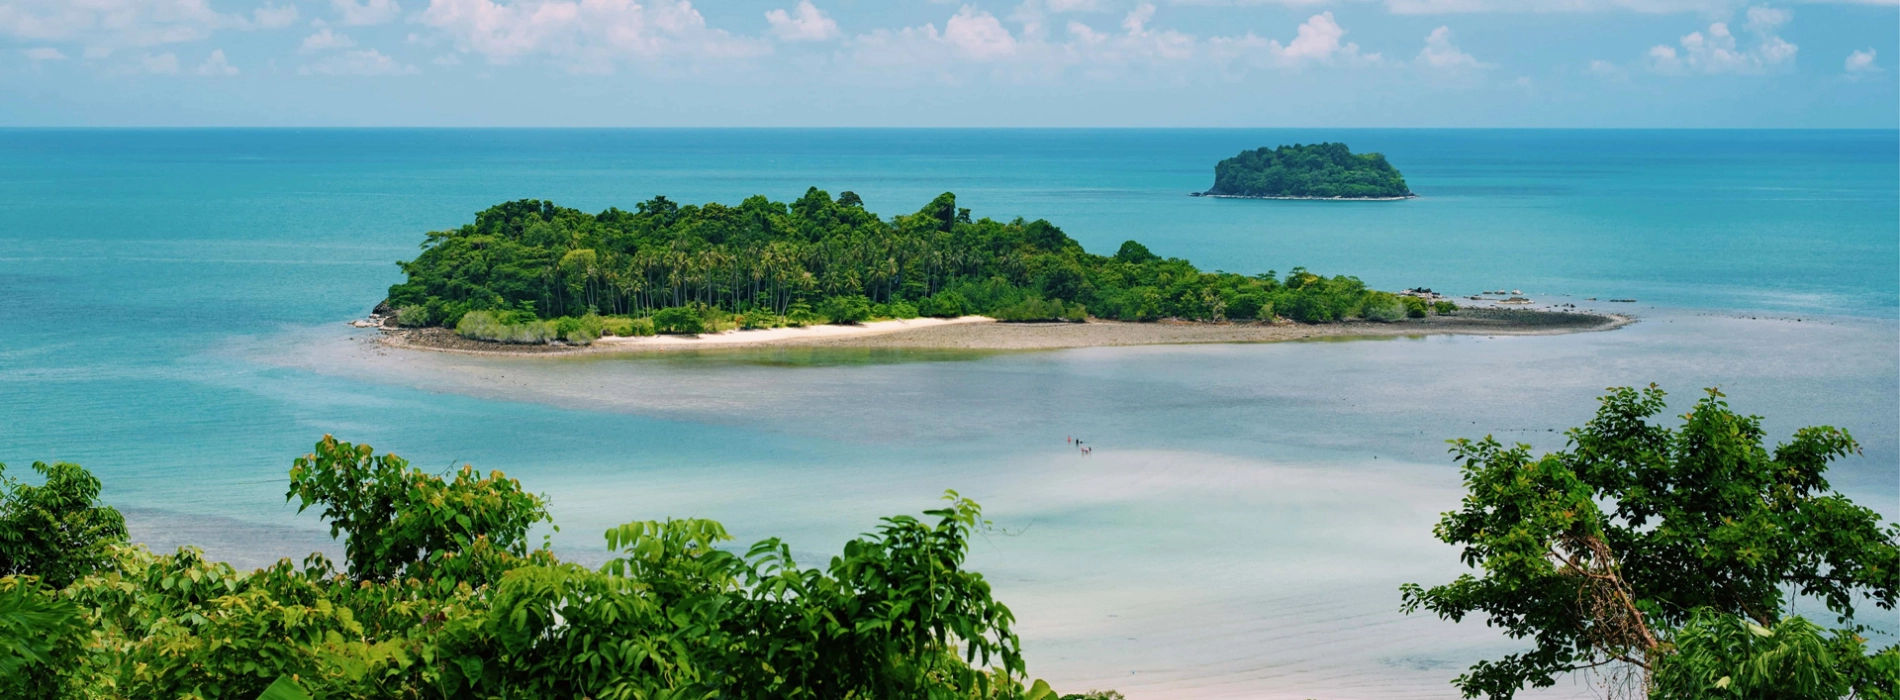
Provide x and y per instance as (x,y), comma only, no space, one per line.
(532,272)
(1316,171)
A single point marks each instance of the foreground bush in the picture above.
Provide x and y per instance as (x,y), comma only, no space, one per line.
(1667,559)
(443,594)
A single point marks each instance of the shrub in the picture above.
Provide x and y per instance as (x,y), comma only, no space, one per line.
(41,635)
(1075,313)
(57,531)
(756,318)
(1443,307)
(678,319)
(443,596)
(1033,309)
(624,327)
(1414,306)
(1307,308)
(497,327)
(1249,305)
(944,305)
(902,309)
(799,315)
(847,310)
(1382,307)
(413,316)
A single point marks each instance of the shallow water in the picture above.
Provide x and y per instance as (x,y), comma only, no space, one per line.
(171,306)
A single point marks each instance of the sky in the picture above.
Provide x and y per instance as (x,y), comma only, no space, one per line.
(925,63)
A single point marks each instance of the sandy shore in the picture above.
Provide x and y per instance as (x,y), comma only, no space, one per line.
(979,333)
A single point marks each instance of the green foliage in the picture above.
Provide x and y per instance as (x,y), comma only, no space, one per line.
(1596,552)
(1134,253)
(1317,170)
(505,328)
(1034,309)
(402,522)
(679,319)
(852,309)
(442,597)
(57,531)
(523,263)
(1719,655)
(945,305)
(1443,307)
(413,316)
(625,327)
(39,634)
(284,689)
(1415,307)
(1383,307)
(757,318)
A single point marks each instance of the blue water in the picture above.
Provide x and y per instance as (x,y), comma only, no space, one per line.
(171,308)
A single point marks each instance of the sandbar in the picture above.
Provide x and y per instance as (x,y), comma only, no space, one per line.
(981,333)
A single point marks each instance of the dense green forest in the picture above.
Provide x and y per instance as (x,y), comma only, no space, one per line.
(1317,170)
(1664,561)
(528,271)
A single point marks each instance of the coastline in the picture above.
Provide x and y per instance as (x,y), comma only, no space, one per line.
(1302,199)
(981,333)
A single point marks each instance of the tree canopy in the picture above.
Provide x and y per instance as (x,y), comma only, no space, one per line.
(1316,170)
(817,256)
(1641,546)
(443,595)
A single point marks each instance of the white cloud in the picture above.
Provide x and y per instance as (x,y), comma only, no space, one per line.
(586,35)
(1318,41)
(976,40)
(447,60)
(977,35)
(216,65)
(364,62)
(366,12)
(1440,54)
(1605,69)
(1763,19)
(325,40)
(48,53)
(804,23)
(1074,5)
(104,26)
(162,64)
(1719,51)
(1707,7)
(273,17)
(1861,63)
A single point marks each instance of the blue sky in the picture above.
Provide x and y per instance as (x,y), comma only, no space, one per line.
(1232,63)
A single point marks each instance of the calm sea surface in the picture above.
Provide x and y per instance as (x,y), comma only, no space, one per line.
(172,308)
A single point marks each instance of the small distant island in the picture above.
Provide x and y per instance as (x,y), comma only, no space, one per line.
(1316,171)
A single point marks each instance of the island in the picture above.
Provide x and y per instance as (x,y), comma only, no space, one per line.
(530,276)
(1317,171)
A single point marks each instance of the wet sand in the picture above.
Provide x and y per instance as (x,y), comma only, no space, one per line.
(980,334)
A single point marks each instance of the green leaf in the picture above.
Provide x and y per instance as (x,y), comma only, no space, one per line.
(1040,690)
(284,689)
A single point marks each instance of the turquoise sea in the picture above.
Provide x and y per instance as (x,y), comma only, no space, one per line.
(173,308)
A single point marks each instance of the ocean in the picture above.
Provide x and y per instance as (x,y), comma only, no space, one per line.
(173,307)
